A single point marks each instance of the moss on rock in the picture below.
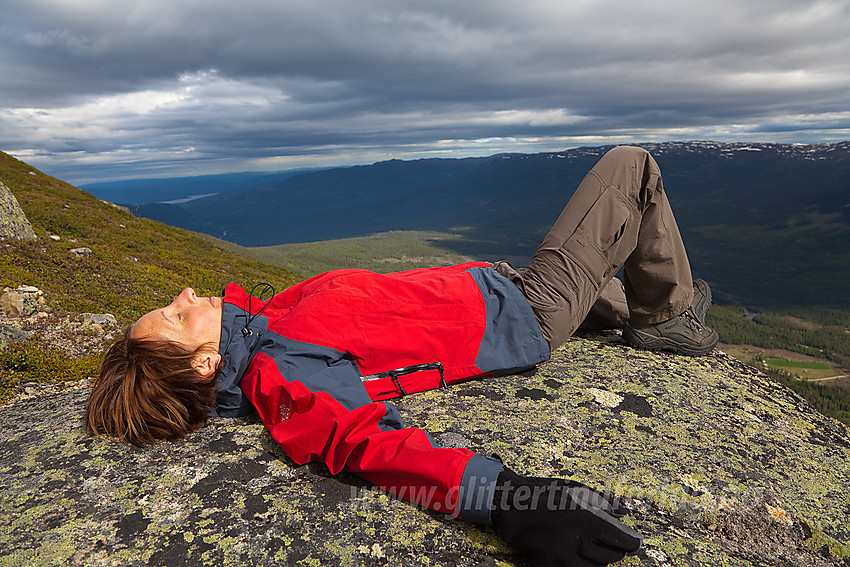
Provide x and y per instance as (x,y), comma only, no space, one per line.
(13,221)
(720,465)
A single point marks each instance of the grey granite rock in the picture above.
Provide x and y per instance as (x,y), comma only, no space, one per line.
(13,221)
(23,301)
(720,465)
(9,335)
(82,252)
(102,319)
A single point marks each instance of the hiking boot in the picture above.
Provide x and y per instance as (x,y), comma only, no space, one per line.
(684,334)
(702,299)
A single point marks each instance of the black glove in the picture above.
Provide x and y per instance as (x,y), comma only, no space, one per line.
(560,522)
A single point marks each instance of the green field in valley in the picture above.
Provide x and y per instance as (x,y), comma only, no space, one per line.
(385,252)
(803,370)
(774,361)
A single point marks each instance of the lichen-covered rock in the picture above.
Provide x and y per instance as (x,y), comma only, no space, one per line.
(9,335)
(82,252)
(103,319)
(23,301)
(97,323)
(13,221)
(721,466)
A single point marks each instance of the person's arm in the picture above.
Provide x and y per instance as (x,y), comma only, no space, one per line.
(328,417)
(552,521)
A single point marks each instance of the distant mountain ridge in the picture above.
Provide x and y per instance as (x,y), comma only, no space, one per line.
(769,224)
(155,190)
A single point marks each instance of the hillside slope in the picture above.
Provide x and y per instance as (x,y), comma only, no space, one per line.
(126,266)
(136,264)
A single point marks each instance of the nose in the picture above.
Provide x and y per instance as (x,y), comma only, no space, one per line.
(186,296)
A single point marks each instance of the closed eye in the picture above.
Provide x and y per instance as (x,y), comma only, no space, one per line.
(167,318)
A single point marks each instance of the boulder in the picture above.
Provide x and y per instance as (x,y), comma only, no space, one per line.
(9,335)
(102,319)
(97,323)
(22,301)
(13,221)
(82,252)
(719,464)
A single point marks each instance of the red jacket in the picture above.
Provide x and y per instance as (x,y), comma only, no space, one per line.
(315,361)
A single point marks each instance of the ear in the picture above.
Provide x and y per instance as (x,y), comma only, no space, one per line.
(206,363)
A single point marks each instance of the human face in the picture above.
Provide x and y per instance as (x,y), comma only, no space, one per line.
(190,320)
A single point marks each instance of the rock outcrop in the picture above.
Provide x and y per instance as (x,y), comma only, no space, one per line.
(720,465)
(23,301)
(13,221)
(15,304)
(10,334)
(24,313)
(82,252)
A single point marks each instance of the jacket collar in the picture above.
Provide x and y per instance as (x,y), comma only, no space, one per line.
(236,349)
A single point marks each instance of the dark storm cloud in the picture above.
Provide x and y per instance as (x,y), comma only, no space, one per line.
(169,87)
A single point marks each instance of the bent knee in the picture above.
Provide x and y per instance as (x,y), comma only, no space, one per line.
(628,153)
(628,167)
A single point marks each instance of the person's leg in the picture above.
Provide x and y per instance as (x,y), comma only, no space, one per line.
(610,311)
(618,216)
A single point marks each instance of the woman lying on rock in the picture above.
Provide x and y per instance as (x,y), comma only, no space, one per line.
(318,360)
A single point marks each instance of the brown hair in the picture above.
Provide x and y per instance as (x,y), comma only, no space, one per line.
(148,390)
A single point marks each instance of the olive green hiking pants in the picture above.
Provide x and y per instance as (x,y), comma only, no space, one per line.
(618,217)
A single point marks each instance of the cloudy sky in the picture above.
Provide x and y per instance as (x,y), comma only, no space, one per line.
(104,89)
